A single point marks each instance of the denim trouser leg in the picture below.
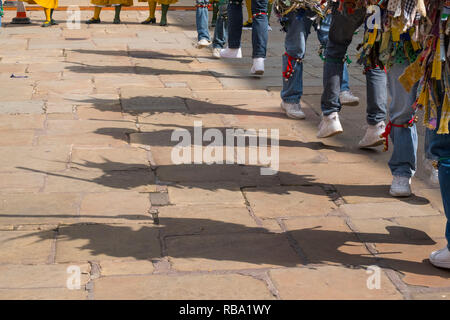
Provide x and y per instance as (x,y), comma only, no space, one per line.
(404,157)
(201,19)
(376,90)
(322,35)
(221,30)
(234,24)
(297,31)
(340,36)
(260,32)
(444,181)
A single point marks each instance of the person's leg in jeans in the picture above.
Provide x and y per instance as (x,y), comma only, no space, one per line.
(346,96)
(221,30)
(234,30)
(201,19)
(297,31)
(403,161)
(376,91)
(260,35)
(439,148)
(340,36)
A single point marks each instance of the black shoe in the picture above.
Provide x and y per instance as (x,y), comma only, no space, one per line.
(116,21)
(149,21)
(92,20)
(53,22)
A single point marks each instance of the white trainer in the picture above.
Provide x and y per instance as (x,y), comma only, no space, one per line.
(231,53)
(441,258)
(400,187)
(257,67)
(293,110)
(347,98)
(203,43)
(372,138)
(329,126)
(216,53)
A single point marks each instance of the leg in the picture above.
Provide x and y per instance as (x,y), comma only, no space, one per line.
(297,31)
(215,13)
(439,148)
(340,36)
(164,10)
(53,22)
(376,108)
(234,24)
(48,18)
(404,157)
(295,46)
(151,14)
(201,17)
(248,5)
(117,10)
(259,28)
(96,17)
(376,90)
(221,30)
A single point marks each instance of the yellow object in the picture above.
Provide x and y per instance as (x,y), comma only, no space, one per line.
(437,63)
(372,37)
(248,4)
(107,3)
(445,117)
(97,11)
(385,41)
(48,4)
(47,12)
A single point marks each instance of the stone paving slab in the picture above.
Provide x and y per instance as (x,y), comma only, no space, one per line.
(212,287)
(87,177)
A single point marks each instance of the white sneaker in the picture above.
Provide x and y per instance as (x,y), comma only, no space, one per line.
(400,187)
(372,138)
(293,110)
(203,43)
(347,98)
(269,28)
(329,126)
(441,258)
(231,53)
(216,53)
(258,67)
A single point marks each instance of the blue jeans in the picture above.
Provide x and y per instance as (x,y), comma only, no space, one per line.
(221,30)
(340,36)
(259,26)
(201,20)
(403,161)
(439,148)
(322,34)
(298,28)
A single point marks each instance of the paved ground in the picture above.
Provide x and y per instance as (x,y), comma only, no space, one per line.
(85,168)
